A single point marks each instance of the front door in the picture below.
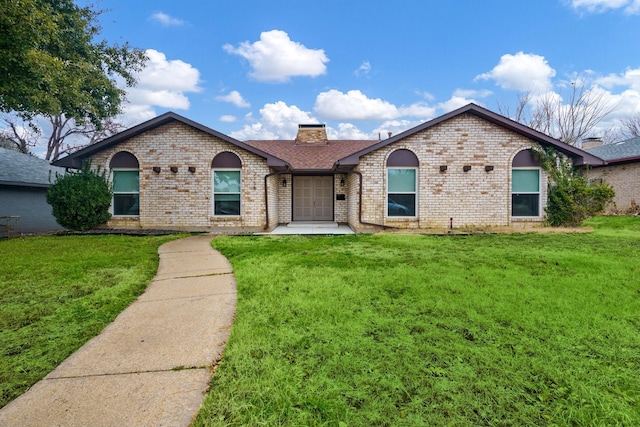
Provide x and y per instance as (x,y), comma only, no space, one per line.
(313,198)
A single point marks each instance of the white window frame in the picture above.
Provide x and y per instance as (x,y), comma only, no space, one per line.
(213,192)
(113,198)
(539,192)
(415,193)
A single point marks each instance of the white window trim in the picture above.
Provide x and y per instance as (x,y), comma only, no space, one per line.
(539,192)
(415,193)
(111,209)
(213,192)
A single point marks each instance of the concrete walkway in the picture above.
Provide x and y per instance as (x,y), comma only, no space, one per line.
(153,364)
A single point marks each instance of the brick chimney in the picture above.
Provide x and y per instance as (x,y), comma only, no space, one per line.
(312,134)
(591,142)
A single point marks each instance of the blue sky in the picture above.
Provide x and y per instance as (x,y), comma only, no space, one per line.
(255,69)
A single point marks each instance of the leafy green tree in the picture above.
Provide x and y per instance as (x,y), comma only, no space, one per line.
(81,200)
(572,196)
(50,63)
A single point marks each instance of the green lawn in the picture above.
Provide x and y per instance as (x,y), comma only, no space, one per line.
(399,330)
(57,292)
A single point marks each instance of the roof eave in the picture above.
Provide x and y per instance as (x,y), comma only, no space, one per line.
(24,184)
(612,162)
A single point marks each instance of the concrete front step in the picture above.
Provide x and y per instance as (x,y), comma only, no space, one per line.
(313,224)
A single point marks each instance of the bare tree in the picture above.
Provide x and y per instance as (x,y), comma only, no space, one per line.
(570,120)
(21,135)
(66,135)
(521,112)
(631,126)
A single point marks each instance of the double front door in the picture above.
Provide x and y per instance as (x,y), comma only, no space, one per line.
(313,198)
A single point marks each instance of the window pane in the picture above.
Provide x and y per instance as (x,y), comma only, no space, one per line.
(401,205)
(402,180)
(125,181)
(126,204)
(226,204)
(525,205)
(226,181)
(525,181)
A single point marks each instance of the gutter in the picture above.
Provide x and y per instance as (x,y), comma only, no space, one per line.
(620,161)
(360,202)
(266,195)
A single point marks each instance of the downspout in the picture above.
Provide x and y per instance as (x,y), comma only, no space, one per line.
(360,202)
(266,194)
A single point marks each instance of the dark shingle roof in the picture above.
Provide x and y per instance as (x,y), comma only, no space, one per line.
(26,170)
(627,149)
(312,156)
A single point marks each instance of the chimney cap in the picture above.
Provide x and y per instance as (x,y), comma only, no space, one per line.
(311,126)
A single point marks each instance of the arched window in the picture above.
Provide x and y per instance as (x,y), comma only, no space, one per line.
(226,184)
(402,184)
(525,185)
(125,175)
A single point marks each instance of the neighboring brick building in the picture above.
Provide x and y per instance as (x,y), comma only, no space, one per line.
(621,170)
(470,167)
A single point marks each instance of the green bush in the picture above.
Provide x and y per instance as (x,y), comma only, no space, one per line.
(81,200)
(572,197)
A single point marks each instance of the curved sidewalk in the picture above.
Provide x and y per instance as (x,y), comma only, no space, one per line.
(153,364)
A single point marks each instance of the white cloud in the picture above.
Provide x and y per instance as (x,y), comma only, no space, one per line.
(227,118)
(162,83)
(166,20)
(159,98)
(627,102)
(631,78)
(471,93)
(353,105)
(598,6)
(363,70)
(347,131)
(234,98)
(174,75)
(277,121)
(455,102)
(394,127)
(276,58)
(522,71)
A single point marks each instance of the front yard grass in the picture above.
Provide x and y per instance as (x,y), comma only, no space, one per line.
(57,292)
(410,330)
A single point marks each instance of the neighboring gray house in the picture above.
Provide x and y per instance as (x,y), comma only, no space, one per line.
(621,170)
(24,180)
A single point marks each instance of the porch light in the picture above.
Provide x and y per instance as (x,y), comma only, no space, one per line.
(341,182)
(284,182)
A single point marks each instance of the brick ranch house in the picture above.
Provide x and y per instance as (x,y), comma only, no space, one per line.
(621,170)
(470,167)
